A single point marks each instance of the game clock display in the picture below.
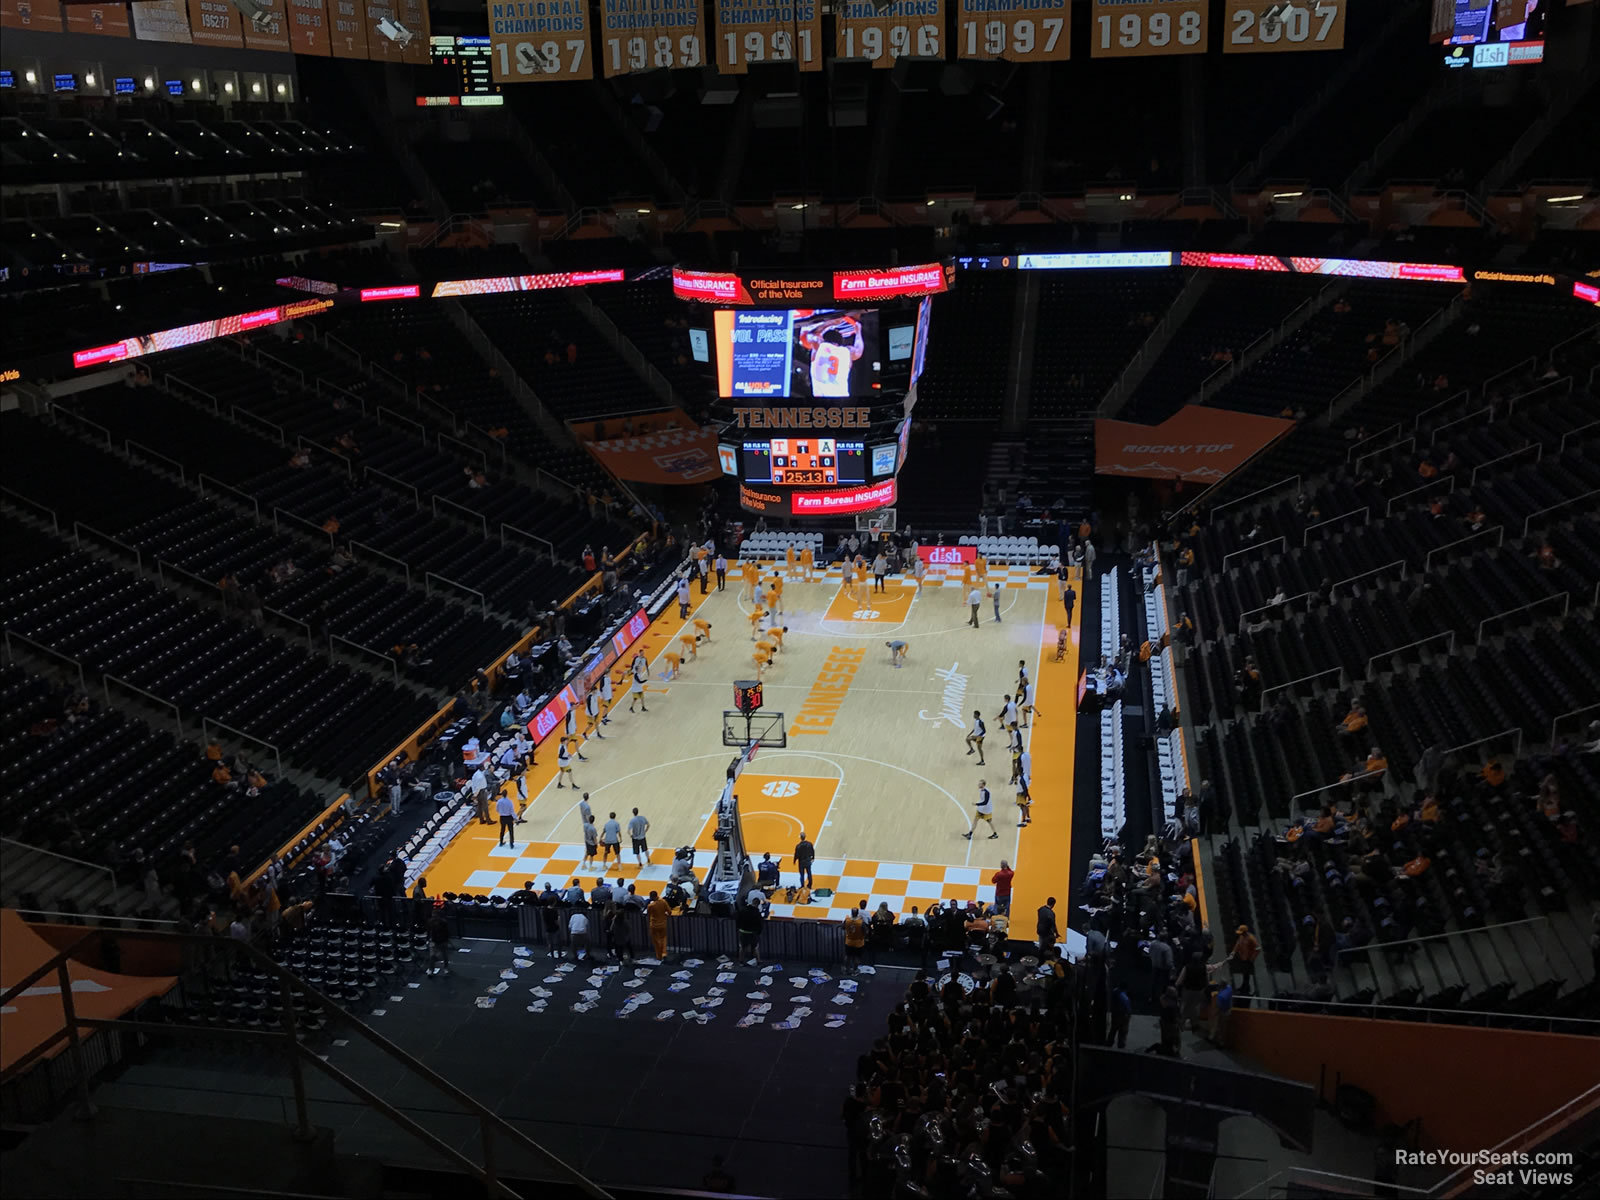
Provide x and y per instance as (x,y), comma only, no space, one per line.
(808,461)
(747,695)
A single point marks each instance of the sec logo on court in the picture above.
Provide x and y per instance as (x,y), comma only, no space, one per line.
(779,788)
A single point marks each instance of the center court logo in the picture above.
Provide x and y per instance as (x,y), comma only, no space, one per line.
(955,698)
(779,788)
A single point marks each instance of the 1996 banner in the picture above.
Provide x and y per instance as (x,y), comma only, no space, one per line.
(882,35)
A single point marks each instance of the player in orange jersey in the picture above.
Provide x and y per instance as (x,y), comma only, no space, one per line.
(775,592)
(789,559)
(757,615)
(808,562)
(674,665)
(702,630)
(687,644)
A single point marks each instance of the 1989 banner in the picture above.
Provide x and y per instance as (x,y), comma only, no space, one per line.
(647,35)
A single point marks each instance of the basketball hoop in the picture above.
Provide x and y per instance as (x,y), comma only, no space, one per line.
(880,522)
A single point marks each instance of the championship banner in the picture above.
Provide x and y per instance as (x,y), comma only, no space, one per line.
(309,29)
(538,41)
(161,21)
(1274,26)
(762,31)
(107,20)
(215,23)
(269,30)
(348,37)
(31,14)
(1197,443)
(649,35)
(883,35)
(1141,28)
(1015,30)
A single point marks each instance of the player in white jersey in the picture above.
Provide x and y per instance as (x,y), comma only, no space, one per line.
(975,737)
(1025,702)
(641,672)
(605,698)
(591,708)
(1022,773)
(1008,714)
(985,812)
(835,344)
(570,731)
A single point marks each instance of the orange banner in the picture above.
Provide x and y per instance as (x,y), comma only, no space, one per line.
(32,14)
(107,20)
(1196,443)
(659,447)
(35,1014)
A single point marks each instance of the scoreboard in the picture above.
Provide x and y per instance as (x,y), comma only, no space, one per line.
(462,73)
(807,461)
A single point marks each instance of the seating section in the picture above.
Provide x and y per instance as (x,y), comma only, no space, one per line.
(483,173)
(325,718)
(102,786)
(969,349)
(1090,324)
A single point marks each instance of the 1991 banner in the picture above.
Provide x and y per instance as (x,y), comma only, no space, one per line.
(881,35)
(648,35)
(1015,30)
(762,31)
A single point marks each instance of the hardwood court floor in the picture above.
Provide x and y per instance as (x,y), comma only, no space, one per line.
(876,769)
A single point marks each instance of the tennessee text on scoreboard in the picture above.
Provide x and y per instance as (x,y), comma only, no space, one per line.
(1015,30)
(900,29)
(1273,26)
(757,31)
(531,41)
(646,35)
(1136,28)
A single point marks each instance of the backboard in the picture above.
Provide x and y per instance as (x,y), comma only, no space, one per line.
(882,521)
(765,728)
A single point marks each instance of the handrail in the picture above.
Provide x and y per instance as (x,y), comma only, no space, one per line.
(203,478)
(498,443)
(1486,410)
(1453,398)
(208,723)
(1563,386)
(1399,562)
(1433,937)
(82,862)
(460,587)
(128,449)
(1363,510)
(19,498)
(1584,428)
(288,367)
(177,713)
(416,496)
(483,521)
(1515,731)
(1278,687)
(401,563)
(1241,499)
(1576,712)
(300,1054)
(82,420)
(79,529)
(482,458)
(342,390)
(1427,562)
(316,529)
(1566,607)
(1450,647)
(162,566)
(1388,510)
(196,393)
(1483,466)
(1409,443)
(422,430)
(1568,503)
(1248,549)
(83,679)
(388,659)
(1531,363)
(244,416)
(531,536)
(311,637)
(1284,603)
(1350,453)
(1355,778)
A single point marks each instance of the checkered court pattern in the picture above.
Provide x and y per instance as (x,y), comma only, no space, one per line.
(899,885)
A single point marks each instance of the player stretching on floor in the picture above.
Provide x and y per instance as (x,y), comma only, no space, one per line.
(641,672)
(897,653)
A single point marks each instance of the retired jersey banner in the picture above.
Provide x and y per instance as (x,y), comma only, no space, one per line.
(414,16)
(1197,443)
(664,447)
(348,36)
(31,14)
(883,35)
(310,31)
(269,30)
(107,20)
(539,41)
(215,23)
(762,31)
(1014,30)
(650,35)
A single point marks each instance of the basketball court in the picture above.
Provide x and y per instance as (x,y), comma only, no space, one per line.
(874,765)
